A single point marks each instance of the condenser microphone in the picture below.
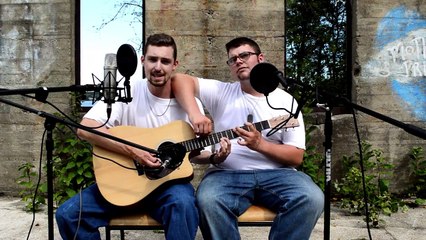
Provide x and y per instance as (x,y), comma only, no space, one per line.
(265,77)
(109,85)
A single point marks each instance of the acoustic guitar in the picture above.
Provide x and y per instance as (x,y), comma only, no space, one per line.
(123,182)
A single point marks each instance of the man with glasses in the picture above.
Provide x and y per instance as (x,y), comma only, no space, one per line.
(254,168)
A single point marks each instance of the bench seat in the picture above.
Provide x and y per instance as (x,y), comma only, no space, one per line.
(254,216)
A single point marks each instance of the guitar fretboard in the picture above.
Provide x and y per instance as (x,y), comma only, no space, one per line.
(214,138)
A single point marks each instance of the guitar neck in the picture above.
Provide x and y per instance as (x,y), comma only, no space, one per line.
(214,138)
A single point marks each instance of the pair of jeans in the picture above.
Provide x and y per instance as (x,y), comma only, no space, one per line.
(173,206)
(223,195)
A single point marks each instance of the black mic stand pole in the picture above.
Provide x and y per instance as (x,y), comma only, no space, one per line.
(328,126)
(411,129)
(50,122)
(328,129)
(49,125)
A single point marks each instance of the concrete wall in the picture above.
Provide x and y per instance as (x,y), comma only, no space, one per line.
(389,75)
(202,28)
(37,49)
(388,78)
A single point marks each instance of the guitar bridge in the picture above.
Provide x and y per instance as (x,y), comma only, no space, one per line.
(139,168)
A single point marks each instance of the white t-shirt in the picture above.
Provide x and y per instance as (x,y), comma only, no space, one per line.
(145,110)
(229,106)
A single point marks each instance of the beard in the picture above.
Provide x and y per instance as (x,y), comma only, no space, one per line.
(157,83)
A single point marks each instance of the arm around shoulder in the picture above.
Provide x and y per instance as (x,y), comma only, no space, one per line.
(186,89)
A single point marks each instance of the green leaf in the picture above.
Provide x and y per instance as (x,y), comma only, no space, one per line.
(70,165)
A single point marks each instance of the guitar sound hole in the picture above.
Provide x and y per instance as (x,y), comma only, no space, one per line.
(171,156)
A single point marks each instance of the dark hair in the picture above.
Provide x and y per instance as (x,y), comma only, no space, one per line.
(161,40)
(236,42)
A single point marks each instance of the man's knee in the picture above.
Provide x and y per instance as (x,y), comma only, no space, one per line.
(66,211)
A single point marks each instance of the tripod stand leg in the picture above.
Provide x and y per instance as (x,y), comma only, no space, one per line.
(49,126)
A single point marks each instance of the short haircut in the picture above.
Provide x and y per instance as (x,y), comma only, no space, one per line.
(161,40)
(236,42)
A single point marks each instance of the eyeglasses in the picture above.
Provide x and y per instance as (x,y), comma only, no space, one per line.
(243,56)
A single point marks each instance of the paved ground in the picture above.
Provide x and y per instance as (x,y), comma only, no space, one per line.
(15,224)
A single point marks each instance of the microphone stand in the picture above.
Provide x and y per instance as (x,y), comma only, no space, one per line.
(49,124)
(328,129)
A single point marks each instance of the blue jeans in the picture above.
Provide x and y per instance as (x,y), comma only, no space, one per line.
(173,206)
(225,194)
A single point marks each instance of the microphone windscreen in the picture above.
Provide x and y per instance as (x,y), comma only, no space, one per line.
(263,78)
(127,60)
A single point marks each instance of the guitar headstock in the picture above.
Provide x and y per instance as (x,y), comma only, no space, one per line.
(280,120)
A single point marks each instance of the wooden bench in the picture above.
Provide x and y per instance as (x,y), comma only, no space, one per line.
(254,216)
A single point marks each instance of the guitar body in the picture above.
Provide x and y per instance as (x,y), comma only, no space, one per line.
(123,187)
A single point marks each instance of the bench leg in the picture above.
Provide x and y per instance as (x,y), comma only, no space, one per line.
(107,233)
(121,234)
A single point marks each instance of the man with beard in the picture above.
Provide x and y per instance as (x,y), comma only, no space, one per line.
(153,105)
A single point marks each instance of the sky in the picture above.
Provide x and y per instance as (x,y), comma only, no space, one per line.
(95,44)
